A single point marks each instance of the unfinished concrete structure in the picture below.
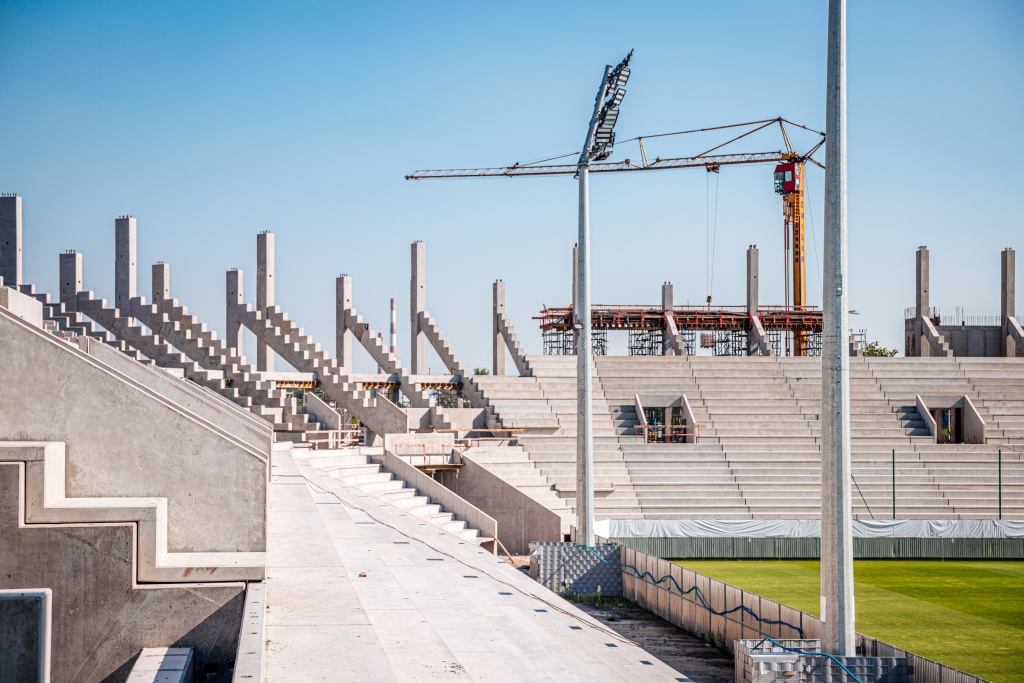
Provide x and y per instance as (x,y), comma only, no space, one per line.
(929,333)
(453,462)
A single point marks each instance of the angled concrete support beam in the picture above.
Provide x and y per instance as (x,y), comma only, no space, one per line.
(417,305)
(70,279)
(264,293)
(672,341)
(234,302)
(10,240)
(125,276)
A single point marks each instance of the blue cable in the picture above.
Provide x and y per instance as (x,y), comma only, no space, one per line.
(815,654)
(696,592)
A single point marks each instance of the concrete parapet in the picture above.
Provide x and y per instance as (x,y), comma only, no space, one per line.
(25,307)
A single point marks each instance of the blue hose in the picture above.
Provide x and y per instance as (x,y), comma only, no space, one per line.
(697,594)
(814,654)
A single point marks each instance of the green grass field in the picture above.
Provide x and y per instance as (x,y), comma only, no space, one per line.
(969,615)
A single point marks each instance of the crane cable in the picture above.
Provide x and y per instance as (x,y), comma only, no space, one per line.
(710,233)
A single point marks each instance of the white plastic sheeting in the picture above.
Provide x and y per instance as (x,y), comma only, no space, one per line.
(807,528)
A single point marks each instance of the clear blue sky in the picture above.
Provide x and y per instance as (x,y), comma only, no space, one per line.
(210,122)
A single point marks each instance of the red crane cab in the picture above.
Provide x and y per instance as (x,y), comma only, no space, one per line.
(787,178)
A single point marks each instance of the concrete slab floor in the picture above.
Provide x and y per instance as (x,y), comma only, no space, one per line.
(430,607)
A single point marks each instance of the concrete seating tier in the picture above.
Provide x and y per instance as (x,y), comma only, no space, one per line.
(759,448)
(354,467)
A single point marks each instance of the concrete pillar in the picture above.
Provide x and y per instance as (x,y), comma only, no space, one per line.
(10,240)
(921,302)
(161,282)
(417,304)
(667,304)
(125,281)
(753,294)
(264,293)
(1007,299)
(342,334)
(575,291)
(70,279)
(233,333)
(498,342)
(838,632)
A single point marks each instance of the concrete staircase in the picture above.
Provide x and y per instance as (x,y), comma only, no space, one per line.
(355,467)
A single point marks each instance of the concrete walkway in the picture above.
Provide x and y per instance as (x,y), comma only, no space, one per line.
(430,607)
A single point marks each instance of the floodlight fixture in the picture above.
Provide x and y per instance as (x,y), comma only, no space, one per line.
(616,99)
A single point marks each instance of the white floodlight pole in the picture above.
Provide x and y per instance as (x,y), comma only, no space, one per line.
(838,634)
(584,352)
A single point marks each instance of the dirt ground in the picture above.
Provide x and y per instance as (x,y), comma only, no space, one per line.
(694,659)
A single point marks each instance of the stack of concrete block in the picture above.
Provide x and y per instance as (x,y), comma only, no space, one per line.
(571,568)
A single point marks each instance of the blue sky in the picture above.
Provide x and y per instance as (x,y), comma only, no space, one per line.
(210,122)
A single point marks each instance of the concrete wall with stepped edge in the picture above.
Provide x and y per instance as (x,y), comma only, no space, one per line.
(126,440)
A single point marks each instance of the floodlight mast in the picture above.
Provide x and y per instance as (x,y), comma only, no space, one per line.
(594,147)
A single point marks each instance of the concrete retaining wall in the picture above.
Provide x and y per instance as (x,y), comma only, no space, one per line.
(124,440)
(100,619)
(520,518)
(571,568)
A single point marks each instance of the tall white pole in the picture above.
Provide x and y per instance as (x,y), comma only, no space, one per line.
(584,383)
(837,611)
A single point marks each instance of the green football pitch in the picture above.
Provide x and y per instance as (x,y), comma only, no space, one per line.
(968,615)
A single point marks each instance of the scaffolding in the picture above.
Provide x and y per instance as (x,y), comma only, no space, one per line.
(730,343)
(814,343)
(559,342)
(689,338)
(646,343)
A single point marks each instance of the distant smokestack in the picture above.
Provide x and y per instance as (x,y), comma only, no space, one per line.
(394,330)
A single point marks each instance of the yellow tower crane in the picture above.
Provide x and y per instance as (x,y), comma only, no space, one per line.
(789,182)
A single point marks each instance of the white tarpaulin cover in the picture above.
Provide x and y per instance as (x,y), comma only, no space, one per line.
(807,528)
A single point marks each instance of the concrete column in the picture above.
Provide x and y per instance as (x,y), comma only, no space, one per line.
(70,279)
(1007,299)
(838,633)
(161,282)
(10,240)
(233,333)
(498,342)
(921,302)
(124,263)
(264,293)
(342,333)
(575,290)
(753,294)
(667,304)
(417,304)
